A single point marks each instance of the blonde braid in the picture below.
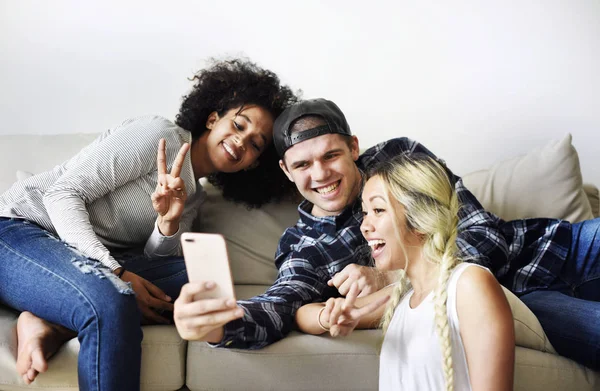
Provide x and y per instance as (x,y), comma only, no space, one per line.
(447,264)
(399,290)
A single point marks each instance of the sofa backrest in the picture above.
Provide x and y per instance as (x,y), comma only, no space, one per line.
(35,153)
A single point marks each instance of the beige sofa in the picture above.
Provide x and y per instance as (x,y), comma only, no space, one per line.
(547,182)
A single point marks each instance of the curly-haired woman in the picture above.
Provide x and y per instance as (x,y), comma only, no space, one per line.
(91,248)
(448,325)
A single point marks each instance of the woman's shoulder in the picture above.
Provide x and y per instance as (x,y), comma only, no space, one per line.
(151,128)
(476,286)
(150,122)
(470,276)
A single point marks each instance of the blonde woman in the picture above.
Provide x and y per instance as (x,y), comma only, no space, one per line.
(448,325)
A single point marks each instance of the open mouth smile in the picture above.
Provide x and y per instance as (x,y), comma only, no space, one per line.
(377,246)
(230,151)
(329,189)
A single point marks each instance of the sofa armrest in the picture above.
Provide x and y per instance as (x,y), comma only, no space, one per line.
(528,330)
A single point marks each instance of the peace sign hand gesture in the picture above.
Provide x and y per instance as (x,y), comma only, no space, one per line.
(169,196)
(343,316)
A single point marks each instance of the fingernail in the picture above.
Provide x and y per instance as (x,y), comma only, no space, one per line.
(168,298)
(230,303)
(239,312)
(210,284)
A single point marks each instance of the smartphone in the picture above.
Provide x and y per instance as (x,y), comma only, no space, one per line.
(206,260)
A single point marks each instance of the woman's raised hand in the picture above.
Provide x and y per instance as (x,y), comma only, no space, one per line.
(342,315)
(169,196)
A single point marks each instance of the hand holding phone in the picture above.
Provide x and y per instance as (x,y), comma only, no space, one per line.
(207,302)
(206,259)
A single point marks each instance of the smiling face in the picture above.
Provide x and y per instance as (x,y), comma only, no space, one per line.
(236,139)
(324,171)
(384,227)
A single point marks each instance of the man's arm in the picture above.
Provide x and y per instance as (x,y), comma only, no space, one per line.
(270,317)
(479,237)
(266,318)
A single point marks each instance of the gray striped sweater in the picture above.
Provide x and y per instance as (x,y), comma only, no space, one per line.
(100,198)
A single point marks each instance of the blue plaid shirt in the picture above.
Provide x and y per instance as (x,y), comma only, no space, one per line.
(524,255)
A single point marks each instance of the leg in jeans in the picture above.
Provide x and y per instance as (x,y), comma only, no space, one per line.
(569,310)
(42,275)
(168,274)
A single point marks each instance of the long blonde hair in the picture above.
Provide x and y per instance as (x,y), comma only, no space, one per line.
(424,188)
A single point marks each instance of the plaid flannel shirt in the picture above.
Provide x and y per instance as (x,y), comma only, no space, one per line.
(524,255)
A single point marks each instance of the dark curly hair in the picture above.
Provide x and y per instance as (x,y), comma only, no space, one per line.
(229,84)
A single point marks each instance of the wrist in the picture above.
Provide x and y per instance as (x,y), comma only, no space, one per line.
(323,325)
(119,271)
(167,227)
(216,335)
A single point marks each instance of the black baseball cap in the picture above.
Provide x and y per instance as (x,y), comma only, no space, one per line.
(326,109)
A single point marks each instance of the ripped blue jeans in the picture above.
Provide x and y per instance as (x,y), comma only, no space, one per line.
(41,274)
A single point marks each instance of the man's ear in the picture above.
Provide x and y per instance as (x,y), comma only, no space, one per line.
(212,118)
(285,170)
(354,149)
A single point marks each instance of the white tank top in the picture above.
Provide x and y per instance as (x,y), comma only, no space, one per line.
(411,358)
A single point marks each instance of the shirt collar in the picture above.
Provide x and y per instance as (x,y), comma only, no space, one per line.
(351,215)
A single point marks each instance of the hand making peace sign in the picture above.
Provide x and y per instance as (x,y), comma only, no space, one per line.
(169,196)
(342,315)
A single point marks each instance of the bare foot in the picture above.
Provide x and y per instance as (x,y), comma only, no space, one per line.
(37,341)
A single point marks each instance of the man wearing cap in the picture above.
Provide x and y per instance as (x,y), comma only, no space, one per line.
(324,252)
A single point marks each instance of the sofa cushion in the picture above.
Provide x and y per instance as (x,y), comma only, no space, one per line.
(593,195)
(535,370)
(297,362)
(528,330)
(166,373)
(545,182)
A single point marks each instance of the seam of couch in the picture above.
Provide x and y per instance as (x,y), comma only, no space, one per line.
(318,354)
(543,339)
(162,343)
(555,368)
(36,387)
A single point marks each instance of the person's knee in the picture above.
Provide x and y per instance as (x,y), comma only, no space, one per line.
(120,318)
(111,308)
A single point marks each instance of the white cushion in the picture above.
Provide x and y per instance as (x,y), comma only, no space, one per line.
(545,182)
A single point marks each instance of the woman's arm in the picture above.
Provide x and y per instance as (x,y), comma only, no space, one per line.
(306,319)
(487,330)
(339,316)
(119,156)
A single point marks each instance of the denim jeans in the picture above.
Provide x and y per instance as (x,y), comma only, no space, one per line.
(569,310)
(41,274)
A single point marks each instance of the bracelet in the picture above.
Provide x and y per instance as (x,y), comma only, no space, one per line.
(319,319)
(121,272)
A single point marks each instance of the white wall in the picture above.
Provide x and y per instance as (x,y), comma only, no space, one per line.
(475,81)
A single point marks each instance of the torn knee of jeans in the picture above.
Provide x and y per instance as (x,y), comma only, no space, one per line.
(90,266)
